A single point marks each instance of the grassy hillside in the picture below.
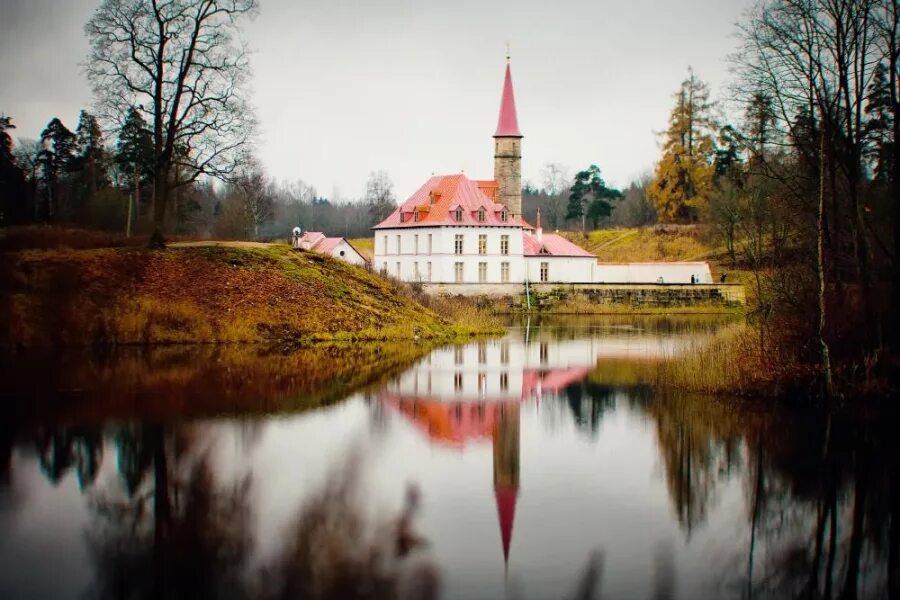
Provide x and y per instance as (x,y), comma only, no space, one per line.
(209,294)
(661,243)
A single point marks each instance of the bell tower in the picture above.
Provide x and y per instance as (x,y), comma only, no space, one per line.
(508,150)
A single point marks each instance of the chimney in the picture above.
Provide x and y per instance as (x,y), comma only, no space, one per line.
(538,231)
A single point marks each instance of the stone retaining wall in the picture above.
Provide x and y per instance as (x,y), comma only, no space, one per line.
(640,294)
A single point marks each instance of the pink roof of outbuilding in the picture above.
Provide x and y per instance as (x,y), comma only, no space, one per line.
(312,238)
(552,245)
(327,245)
(441,195)
(508,122)
(318,242)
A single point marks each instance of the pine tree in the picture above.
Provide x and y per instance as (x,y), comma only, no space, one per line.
(58,159)
(12,178)
(684,176)
(879,125)
(91,153)
(134,153)
(590,198)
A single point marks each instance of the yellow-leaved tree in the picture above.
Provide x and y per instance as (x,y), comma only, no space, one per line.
(684,176)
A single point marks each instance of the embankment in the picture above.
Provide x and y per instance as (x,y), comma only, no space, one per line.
(208,295)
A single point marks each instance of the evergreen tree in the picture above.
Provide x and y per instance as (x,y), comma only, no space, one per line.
(91,153)
(684,175)
(58,159)
(879,126)
(760,130)
(590,198)
(12,178)
(134,154)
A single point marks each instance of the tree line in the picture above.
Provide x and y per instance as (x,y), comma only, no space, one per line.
(801,187)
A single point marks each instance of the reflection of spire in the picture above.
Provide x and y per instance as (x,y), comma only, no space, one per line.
(506,471)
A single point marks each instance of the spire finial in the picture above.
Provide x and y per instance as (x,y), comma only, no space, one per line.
(507,52)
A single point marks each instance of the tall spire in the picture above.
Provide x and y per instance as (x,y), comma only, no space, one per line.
(508,123)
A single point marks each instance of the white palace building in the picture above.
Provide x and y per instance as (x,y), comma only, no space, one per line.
(455,231)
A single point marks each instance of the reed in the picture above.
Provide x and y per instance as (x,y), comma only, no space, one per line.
(730,362)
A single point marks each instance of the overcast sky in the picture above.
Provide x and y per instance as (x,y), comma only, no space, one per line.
(343,88)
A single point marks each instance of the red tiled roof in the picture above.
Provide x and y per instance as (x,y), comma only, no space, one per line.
(434,201)
(508,123)
(553,245)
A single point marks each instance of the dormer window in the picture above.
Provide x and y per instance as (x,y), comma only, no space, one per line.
(458,214)
(481,215)
(416,216)
(543,250)
(402,217)
(504,215)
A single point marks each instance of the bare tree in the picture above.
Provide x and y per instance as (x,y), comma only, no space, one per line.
(180,64)
(256,194)
(380,195)
(556,181)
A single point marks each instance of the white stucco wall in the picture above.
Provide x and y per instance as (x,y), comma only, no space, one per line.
(406,253)
(436,245)
(346,252)
(676,272)
(562,269)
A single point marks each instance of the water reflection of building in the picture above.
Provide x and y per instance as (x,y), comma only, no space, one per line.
(473,393)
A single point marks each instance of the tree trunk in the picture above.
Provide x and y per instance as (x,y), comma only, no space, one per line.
(161,197)
(824,353)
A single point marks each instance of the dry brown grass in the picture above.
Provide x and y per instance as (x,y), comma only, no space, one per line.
(646,244)
(207,294)
(730,362)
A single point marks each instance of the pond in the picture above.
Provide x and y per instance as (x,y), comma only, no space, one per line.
(544,464)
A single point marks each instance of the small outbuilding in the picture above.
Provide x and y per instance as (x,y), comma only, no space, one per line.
(336,247)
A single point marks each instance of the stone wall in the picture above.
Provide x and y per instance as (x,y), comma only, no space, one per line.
(647,294)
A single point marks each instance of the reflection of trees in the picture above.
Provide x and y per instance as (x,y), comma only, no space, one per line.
(170,531)
(699,447)
(59,449)
(334,550)
(822,493)
(836,479)
(588,402)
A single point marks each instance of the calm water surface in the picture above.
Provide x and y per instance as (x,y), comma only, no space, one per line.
(541,465)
